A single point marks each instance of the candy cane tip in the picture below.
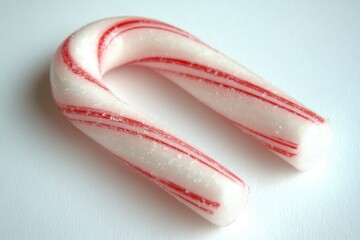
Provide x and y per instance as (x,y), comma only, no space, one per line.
(317,140)
(235,200)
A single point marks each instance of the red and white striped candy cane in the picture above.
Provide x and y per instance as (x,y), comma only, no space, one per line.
(279,122)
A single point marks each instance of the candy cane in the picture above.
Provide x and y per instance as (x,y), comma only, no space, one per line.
(280,123)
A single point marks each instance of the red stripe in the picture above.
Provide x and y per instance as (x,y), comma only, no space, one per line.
(104,47)
(104,38)
(177,190)
(194,204)
(219,73)
(272,147)
(233,88)
(277,149)
(285,141)
(104,125)
(173,186)
(189,194)
(132,122)
(74,67)
(293,146)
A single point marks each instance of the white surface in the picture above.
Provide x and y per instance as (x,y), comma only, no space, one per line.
(55,183)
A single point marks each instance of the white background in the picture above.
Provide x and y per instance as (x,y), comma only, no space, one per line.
(55,183)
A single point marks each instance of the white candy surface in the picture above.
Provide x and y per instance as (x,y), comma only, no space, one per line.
(279,122)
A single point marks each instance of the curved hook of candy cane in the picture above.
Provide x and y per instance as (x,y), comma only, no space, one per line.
(282,124)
